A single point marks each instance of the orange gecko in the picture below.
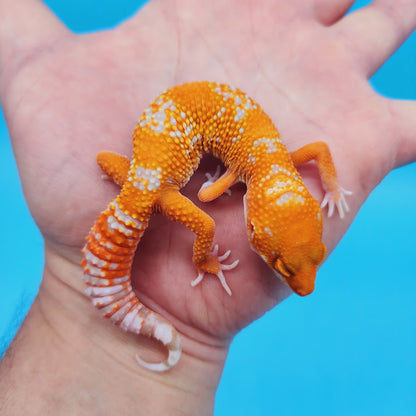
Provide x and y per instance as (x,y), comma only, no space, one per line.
(284,222)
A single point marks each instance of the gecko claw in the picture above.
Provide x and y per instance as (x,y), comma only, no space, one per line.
(229,266)
(224,284)
(336,199)
(198,279)
(219,274)
(224,256)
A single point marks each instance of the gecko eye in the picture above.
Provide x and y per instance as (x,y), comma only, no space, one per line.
(282,268)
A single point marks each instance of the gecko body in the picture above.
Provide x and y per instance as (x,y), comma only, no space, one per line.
(284,222)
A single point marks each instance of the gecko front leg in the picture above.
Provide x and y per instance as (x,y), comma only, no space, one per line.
(334,193)
(179,208)
(220,274)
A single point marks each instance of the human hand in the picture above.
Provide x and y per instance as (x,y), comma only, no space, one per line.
(66,97)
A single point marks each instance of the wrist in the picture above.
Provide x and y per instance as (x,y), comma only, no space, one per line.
(72,357)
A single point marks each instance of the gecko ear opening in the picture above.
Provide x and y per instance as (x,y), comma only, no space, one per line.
(250,228)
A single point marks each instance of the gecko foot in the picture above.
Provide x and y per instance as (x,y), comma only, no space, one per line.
(219,273)
(336,199)
(211,179)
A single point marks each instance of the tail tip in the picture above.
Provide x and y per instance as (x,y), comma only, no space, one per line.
(174,355)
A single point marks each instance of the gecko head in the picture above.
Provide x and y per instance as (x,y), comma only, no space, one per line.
(298,269)
(289,241)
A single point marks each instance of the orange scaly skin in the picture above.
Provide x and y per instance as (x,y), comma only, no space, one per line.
(284,222)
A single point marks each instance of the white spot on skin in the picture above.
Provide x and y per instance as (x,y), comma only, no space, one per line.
(240,114)
(109,245)
(128,320)
(94,271)
(113,224)
(173,121)
(147,178)
(109,300)
(123,217)
(225,94)
(248,105)
(188,129)
(241,130)
(288,197)
(139,185)
(278,169)
(111,307)
(120,314)
(251,159)
(96,281)
(103,291)
(278,186)
(92,259)
(183,115)
(136,323)
(270,144)
(159,117)
(268,231)
(237,100)
(156,120)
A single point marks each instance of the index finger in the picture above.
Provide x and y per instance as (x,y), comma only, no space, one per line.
(374,32)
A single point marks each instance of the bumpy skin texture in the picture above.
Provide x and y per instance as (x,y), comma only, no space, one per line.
(284,222)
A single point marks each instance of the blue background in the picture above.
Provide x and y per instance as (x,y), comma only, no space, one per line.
(348,349)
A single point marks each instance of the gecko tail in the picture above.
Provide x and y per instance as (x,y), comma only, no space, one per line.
(164,332)
(108,257)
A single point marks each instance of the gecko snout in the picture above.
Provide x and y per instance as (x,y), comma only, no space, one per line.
(301,284)
(303,290)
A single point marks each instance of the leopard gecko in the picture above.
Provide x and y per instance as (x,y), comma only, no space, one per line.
(284,222)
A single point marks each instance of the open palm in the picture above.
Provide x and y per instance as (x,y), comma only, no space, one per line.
(66,97)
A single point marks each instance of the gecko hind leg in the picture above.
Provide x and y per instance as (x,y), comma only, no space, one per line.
(216,185)
(114,166)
